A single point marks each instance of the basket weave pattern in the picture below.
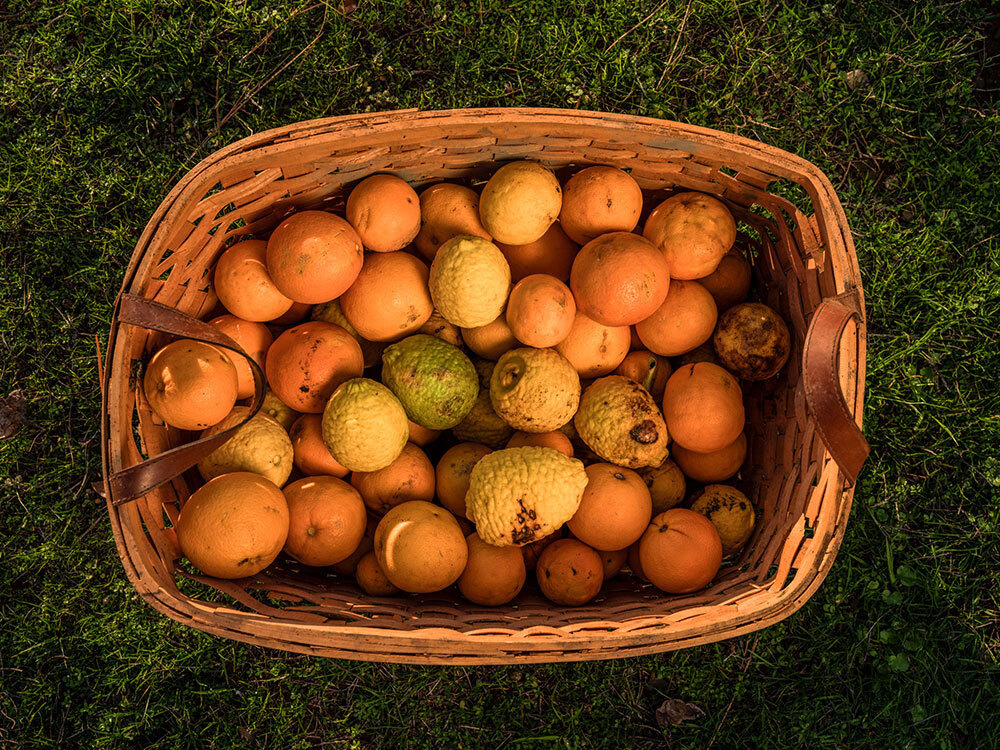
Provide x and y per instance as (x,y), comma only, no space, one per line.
(799,260)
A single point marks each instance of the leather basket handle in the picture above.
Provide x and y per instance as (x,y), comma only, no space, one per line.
(135,481)
(820,374)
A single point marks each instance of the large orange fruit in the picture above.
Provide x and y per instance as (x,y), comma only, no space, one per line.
(420,547)
(245,287)
(598,200)
(540,310)
(680,552)
(493,575)
(703,407)
(619,279)
(385,212)
(552,254)
(729,283)
(615,508)
(715,466)
(326,520)
(694,231)
(191,385)
(390,299)
(447,210)
(683,322)
(314,256)
(306,363)
(234,525)
(254,338)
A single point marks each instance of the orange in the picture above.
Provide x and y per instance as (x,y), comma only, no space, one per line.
(569,572)
(634,563)
(348,566)
(254,338)
(314,256)
(533,550)
(593,348)
(191,385)
(491,340)
(715,466)
(453,472)
(614,561)
(552,254)
(421,435)
(385,212)
(447,210)
(598,200)
(681,551)
(409,477)
(420,547)
(298,311)
(245,287)
(555,439)
(540,311)
(694,231)
(234,526)
(493,575)
(390,299)
(703,407)
(372,578)
(648,370)
(615,508)
(619,279)
(306,363)
(326,520)
(683,322)
(729,283)
(310,452)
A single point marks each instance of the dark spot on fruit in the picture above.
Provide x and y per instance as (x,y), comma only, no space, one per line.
(548,573)
(619,475)
(609,203)
(645,432)
(663,528)
(575,571)
(304,388)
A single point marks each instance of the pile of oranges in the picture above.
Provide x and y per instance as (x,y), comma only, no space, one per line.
(591,352)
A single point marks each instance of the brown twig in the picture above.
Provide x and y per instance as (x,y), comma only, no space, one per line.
(670,59)
(652,13)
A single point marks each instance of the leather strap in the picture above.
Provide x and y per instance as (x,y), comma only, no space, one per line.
(135,481)
(820,374)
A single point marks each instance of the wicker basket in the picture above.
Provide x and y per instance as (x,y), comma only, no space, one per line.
(803,427)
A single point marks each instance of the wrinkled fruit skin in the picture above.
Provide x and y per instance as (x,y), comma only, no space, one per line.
(619,421)
(518,495)
(364,425)
(752,341)
(535,390)
(434,380)
(730,511)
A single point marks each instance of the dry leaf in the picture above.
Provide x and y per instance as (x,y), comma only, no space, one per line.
(675,711)
(12,414)
(348,6)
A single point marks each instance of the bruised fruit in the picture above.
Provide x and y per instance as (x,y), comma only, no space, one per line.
(364,425)
(385,212)
(680,552)
(261,446)
(569,572)
(752,341)
(619,421)
(730,511)
(313,256)
(520,202)
(306,363)
(420,547)
(326,520)
(694,231)
(518,495)
(409,477)
(493,575)
(535,390)
(190,385)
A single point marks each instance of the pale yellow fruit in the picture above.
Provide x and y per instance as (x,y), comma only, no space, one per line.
(469,281)
(261,446)
(694,231)
(520,202)
(518,495)
(730,511)
(482,424)
(666,484)
(621,423)
(277,410)
(364,425)
(535,390)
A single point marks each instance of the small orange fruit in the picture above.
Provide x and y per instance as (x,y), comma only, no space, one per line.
(540,311)
(615,509)
(447,210)
(310,452)
(409,477)
(715,466)
(683,322)
(551,254)
(614,561)
(390,299)
(420,547)
(569,572)
(421,435)
(694,231)
(729,283)
(234,526)
(555,439)
(306,363)
(314,256)
(666,484)
(634,563)
(372,578)
(598,200)
(245,287)
(619,279)
(703,407)
(326,520)
(453,472)
(681,551)
(191,385)
(491,340)
(648,370)
(593,348)
(385,212)
(254,338)
(493,575)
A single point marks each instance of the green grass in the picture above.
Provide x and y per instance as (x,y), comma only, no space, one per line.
(104,105)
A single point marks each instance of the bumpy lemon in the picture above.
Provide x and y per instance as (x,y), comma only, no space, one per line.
(469,281)
(261,446)
(730,511)
(619,421)
(535,390)
(666,484)
(518,495)
(483,424)
(520,202)
(364,425)
(278,410)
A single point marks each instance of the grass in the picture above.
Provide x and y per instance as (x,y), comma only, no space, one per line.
(104,105)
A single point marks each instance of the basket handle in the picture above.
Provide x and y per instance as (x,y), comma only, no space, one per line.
(824,398)
(135,481)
